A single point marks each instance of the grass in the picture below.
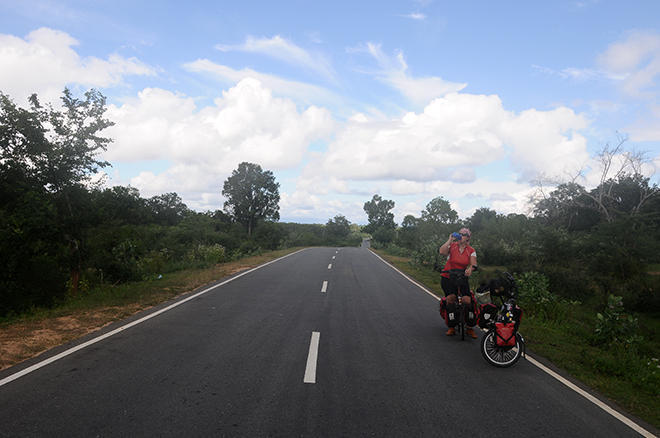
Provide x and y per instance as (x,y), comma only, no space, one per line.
(628,376)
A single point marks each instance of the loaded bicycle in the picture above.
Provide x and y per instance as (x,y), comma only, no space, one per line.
(502,345)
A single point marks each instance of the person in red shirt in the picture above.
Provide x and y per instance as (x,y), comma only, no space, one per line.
(460,255)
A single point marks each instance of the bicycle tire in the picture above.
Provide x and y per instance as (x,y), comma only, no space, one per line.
(502,357)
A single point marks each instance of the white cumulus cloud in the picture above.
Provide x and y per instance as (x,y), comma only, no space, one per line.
(247,123)
(450,138)
(45,62)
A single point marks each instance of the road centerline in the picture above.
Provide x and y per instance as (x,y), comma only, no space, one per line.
(312,358)
(324,288)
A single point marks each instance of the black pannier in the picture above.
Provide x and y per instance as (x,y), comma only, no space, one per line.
(487,315)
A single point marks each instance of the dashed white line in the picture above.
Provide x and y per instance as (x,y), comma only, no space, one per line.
(324,288)
(330,266)
(333,257)
(312,358)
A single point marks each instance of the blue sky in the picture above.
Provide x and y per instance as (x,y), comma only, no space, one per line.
(472,101)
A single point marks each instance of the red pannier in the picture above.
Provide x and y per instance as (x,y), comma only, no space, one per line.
(443,310)
(505,334)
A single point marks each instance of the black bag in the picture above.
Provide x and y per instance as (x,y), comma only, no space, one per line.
(487,315)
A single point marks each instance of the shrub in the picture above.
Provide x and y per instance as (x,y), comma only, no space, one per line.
(615,326)
(124,263)
(536,299)
(207,254)
(427,255)
(397,250)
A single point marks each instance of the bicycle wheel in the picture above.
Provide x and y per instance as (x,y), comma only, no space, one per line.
(500,356)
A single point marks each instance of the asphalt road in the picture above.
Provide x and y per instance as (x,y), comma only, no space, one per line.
(232,362)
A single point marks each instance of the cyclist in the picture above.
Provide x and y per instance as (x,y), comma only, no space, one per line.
(460,255)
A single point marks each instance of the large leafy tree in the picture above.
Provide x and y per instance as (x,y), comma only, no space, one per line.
(439,211)
(378,213)
(47,158)
(252,195)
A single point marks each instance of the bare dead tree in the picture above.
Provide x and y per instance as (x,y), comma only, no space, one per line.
(616,165)
(612,173)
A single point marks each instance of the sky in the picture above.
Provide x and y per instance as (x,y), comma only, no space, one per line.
(474,101)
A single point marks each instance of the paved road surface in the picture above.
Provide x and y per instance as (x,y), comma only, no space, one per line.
(232,362)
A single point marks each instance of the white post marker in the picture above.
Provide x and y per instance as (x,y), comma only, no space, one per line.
(312,357)
(324,288)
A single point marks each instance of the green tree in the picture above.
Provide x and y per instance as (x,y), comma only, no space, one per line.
(481,219)
(337,229)
(252,195)
(168,208)
(378,213)
(568,206)
(53,153)
(439,211)
(408,235)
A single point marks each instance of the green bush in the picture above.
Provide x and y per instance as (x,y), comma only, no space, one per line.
(536,299)
(155,263)
(427,255)
(205,255)
(124,263)
(398,251)
(616,327)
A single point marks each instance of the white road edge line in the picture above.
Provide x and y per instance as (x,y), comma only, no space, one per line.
(72,350)
(324,288)
(593,399)
(619,416)
(312,358)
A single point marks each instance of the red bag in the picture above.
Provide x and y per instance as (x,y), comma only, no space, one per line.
(505,334)
(443,310)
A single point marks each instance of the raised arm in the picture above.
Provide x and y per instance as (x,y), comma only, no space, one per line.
(444,249)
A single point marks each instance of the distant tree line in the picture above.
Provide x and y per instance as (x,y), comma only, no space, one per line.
(61,234)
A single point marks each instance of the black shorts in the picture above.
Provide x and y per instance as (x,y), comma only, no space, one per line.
(451,288)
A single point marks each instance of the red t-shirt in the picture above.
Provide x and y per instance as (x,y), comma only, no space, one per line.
(458,260)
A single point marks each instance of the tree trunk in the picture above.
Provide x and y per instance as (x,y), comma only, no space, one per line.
(75,281)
